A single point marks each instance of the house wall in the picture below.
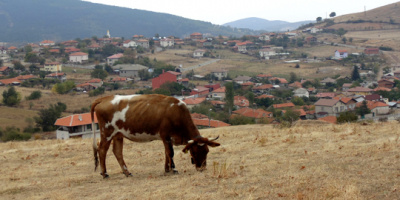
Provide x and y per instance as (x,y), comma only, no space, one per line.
(129,73)
(78,59)
(331,110)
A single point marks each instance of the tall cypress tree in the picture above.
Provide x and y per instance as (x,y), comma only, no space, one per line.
(229,96)
(355,75)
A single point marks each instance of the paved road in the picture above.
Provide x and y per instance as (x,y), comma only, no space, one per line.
(200,65)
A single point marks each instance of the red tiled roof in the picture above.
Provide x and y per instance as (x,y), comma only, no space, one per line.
(382,89)
(301,112)
(265,96)
(330,119)
(219,90)
(343,99)
(12,48)
(253,113)
(74,120)
(282,80)
(194,101)
(263,87)
(9,81)
(25,77)
(215,103)
(116,56)
(326,102)
(373,104)
(283,105)
(46,42)
(198,116)
(296,84)
(241,101)
(4,68)
(56,74)
(78,54)
(196,34)
(119,79)
(86,84)
(206,122)
(95,80)
(326,94)
(360,89)
(247,84)
(264,75)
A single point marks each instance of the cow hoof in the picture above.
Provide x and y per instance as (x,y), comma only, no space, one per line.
(105,175)
(175,171)
(129,175)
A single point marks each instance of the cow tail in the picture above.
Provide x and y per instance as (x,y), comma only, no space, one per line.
(95,147)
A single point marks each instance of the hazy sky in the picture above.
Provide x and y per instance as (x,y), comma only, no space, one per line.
(223,11)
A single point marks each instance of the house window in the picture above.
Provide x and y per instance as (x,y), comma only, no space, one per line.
(88,127)
(322,108)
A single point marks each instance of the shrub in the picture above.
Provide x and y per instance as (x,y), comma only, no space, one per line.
(347,117)
(96,92)
(241,120)
(12,134)
(34,95)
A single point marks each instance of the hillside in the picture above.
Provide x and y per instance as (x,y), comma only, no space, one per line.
(36,20)
(266,25)
(381,14)
(309,161)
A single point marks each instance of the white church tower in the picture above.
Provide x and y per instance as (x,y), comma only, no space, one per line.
(108,34)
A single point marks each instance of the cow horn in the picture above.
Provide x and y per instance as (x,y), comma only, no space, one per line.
(212,139)
(190,141)
(200,144)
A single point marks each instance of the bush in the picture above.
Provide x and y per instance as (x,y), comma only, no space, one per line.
(241,120)
(11,97)
(386,48)
(12,134)
(34,95)
(96,92)
(347,117)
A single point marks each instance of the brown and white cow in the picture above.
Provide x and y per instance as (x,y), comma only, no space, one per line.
(143,118)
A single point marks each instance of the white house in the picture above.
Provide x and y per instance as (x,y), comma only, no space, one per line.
(166,42)
(143,43)
(78,57)
(264,37)
(114,58)
(301,92)
(76,126)
(266,53)
(198,53)
(341,54)
(129,43)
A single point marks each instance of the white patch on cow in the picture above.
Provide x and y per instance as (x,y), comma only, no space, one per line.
(119,98)
(119,115)
(142,137)
(181,103)
(171,105)
(125,167)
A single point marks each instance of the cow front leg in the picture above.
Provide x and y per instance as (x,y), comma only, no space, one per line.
(118,147)
(169,155)
(104,145)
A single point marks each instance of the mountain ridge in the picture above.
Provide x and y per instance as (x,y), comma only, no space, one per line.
(258,24)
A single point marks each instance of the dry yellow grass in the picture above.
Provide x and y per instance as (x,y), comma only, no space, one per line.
(309,161)
(384,13)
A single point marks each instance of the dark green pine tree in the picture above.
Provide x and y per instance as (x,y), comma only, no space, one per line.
(355,74)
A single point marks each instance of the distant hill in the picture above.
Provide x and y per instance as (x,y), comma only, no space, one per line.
(381,14)
(255,23)
(36,20)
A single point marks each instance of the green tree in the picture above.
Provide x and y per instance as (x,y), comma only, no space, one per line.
(144,75)
(47,117)
(298,101)
(11,97)
(293,77)
(345,117)
(363,109)
(99,73)
(19,66)
(63,88)
(319,19)
(229,96)
(351,40)
(34,95)
(341,32)
(344,39)
(333,14)
(31,57)
(355,75)
(290,116)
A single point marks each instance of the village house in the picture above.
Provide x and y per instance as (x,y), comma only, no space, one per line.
(219,74)
(325,95)
(311,40)
(371,51)
(129,43)
(263,96)
(265,88)
(4,70)
(129,70)
(118,79)
(12,49)
(191,102)
(328,81)
(266,53)
(114,58)
(256,114)
(198,53)
(360,91)
(196,36)
(350,103)
(329,107)
(200,91)
(264,37)
(218,93)
(283,105)
(85,87)
(94,46)
(52,67)
(61,76)
(301,92)
(76,126)
(96,82)
(166,42)
(78,57)
(346,86)
(279,81)
(377,108)
(240,101)
(143,43)
(339,54)
(247,85)
(184,82)
(242,79)
(47,43)
(386,83)
(169,76)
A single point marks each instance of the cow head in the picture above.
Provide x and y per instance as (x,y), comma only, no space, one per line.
(199,149)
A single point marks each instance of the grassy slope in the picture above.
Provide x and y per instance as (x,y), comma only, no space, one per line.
(308,161)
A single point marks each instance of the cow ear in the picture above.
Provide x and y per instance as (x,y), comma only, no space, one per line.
(213,144)
(187,147)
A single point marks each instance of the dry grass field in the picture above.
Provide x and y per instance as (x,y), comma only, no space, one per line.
(174,57)
(384,13)
(308,161)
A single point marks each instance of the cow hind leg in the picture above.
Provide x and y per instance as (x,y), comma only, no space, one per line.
(104,145)
(169,155)
(118,146)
